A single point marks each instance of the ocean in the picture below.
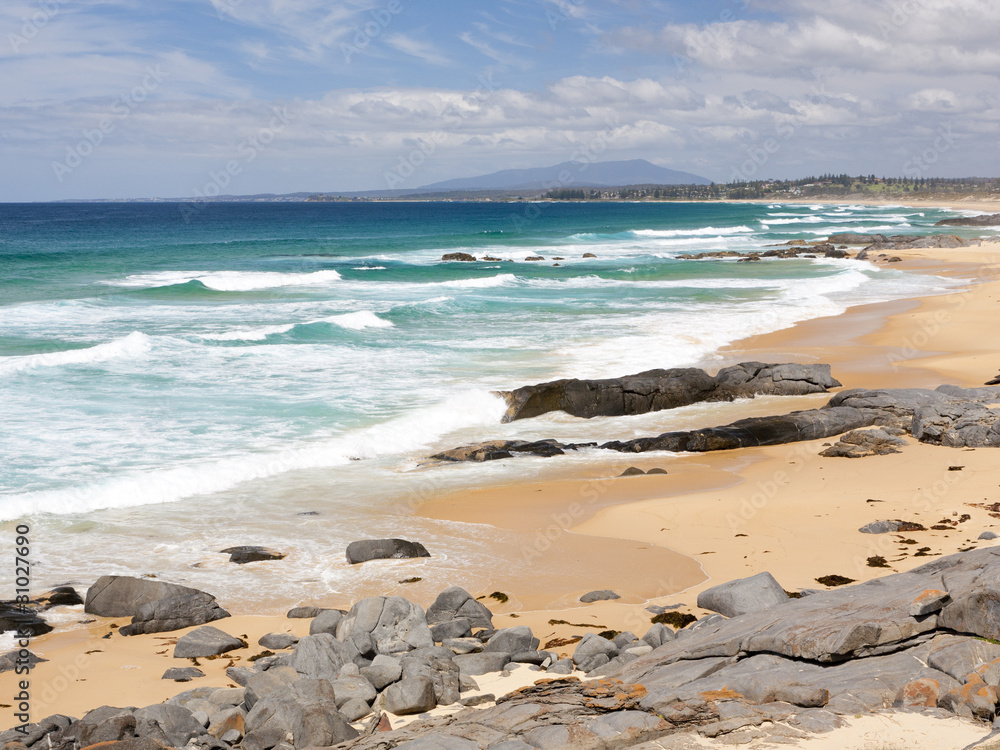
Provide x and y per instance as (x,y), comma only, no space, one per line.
(176,380)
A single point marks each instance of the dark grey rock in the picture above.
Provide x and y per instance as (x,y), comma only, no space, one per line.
(463,645)
(262,684)
(121,596)
(599,596)
(457,603)
(171,725)
(592,645)
(303,613)
(957,656)
(864,443)
(988,535)
(658,634)
(482,663)
(278,641)
(754,594)
(174,613)
(880,527)
(348,688)
(512,640)
(326,622)
(383,671)
(355,709)
(563,666)
(441,670)
(656,390)
(9,660)
(206,641)
(182,674)
(457,628)
(13,617)
(320,656)
(305,710)
(384,549)
(409,696)
(248,553)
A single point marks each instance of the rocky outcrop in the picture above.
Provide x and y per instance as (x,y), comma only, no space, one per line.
(206,641)
(917,640)
(863,443)
(950,416)
(462,257)
(989,220)
(754,594)
(665,389)
(853,238)
(384,549)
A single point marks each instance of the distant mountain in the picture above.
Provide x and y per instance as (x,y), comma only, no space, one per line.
(598,174)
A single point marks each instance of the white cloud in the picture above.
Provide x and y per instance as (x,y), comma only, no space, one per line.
(422,50)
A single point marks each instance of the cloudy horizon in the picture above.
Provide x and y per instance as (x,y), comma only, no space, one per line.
(113,99)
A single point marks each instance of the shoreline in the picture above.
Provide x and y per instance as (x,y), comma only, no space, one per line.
(675,520)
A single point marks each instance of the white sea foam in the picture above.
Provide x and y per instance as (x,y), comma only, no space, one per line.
(691,232)
(413,432)
(486,282)
(228,281)
(248,334)
(357,321)
(136,344)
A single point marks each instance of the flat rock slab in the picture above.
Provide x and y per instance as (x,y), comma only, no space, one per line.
(247,554)
(182,674)
(206,641)
(384,549)
(603,595)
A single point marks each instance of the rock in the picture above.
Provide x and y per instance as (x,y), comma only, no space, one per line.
(171,725)
(206,641)
(104,724)
(248,554)
(305,710)
(463,257)
(355,709)
(14,618)
(959,657)
(563,666)
(303,613)
(512,640)
(958,425)
(278,641)
(409,696)
(227,720)
(321,656)
(481,663)
(919,693)
(228,696)
(460,627)
(863,443)
(463,645)
(928,602)
(988,536)
(494,450)
(853,238)
(973,700)
(121,596)
(656,390)
(349,688)
(986,220)
(658,634)
(880,527)
(385,625)
(326,622)
(182,674)
(384,549)
(593,645)
(754,594)
(534,258)
(262,684)
(589,255)
(832,252)
(633,471)
(10,660)
(442,671)
(383,671)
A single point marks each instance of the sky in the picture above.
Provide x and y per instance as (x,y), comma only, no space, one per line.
(180,98)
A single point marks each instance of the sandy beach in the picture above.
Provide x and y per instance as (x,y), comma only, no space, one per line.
(660,540)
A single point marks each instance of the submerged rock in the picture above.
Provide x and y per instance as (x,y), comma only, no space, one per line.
(384,549)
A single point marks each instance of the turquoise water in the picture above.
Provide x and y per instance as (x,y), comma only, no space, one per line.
(160,364)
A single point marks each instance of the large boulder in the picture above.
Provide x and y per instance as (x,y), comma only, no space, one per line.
(754,594)
(512,640)
(321,656)
(154,606)
(13,617)
(248,553)
(385,625)
(306,712)
(409,696)
(172,725)
(175,613)
(206,641)
(384,549)
(457,603)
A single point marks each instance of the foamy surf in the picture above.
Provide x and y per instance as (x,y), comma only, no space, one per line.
(229,281)
(136,344)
